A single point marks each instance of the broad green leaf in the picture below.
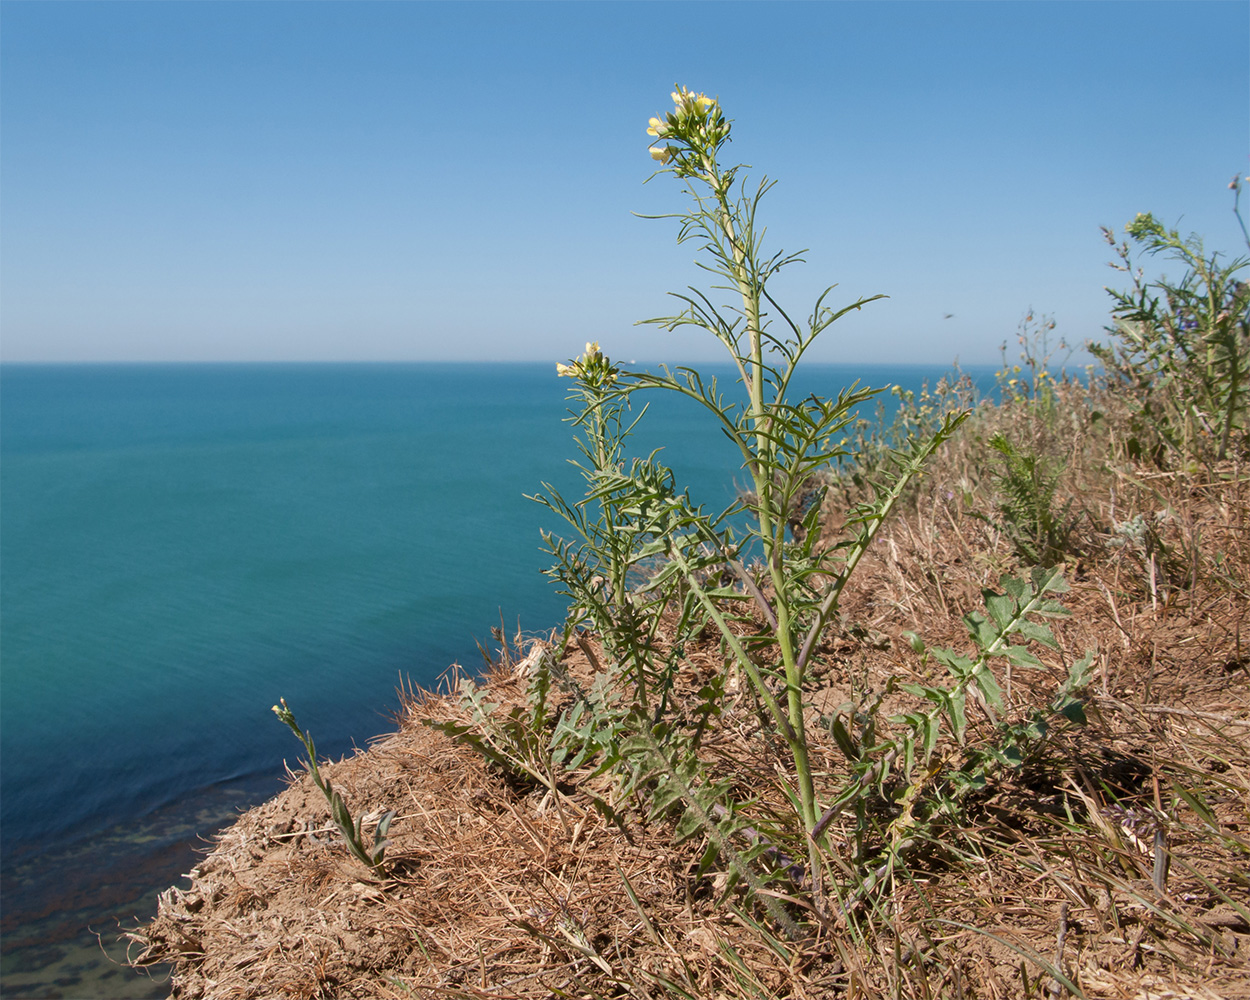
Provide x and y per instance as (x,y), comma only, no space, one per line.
(988,686)
(687,826)
(986,634)
(1079,672)
(666,795)
(1035,632)
(1074,711)
(1001,608)
(916,643)
(930,728)
(1049,580)
(956,664)
(1015,587)
(1020,656)
(709,858)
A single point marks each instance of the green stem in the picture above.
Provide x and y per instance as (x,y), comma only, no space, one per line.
(772,533)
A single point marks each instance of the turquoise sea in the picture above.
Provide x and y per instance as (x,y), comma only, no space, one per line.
(181,545)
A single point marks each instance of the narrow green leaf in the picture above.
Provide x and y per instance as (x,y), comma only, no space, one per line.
(909,755)
(1197,804)
(955,711)
(930,728)
(845,743)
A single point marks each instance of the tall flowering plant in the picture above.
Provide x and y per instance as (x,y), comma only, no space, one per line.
(784,443)
(624,523)
(1182,348)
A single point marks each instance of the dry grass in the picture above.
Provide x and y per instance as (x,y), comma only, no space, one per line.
(1114,865)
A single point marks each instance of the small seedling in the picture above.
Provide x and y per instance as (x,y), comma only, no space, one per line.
(352,832)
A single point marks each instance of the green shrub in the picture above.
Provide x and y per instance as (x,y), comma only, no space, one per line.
(1180,349)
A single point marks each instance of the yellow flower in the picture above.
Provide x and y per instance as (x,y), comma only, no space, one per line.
(578,368)
(661,153)
(696,102)
(656,127)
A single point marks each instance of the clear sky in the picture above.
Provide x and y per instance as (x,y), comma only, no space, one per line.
(409,181)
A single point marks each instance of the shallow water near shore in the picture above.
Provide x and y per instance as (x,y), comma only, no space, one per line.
(185,544)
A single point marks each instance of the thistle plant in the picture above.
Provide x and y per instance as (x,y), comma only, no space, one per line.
(783,442)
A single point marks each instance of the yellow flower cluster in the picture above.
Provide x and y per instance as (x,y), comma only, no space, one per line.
(688,108)
(591,354)
(685,104)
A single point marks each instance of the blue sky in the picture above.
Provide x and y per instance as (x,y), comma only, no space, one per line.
(409,181)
